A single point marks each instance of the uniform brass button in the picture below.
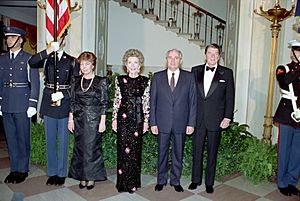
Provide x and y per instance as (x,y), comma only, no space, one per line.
(10,74)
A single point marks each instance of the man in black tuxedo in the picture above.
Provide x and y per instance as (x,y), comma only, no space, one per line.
(215,101)
(172,115)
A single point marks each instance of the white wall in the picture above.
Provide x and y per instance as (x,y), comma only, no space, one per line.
(129,30)
(253,64)
(217,7)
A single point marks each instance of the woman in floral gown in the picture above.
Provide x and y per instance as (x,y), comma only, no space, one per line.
(130,120)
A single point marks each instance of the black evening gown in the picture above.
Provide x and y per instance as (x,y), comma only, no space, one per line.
(133,111)
(87,107)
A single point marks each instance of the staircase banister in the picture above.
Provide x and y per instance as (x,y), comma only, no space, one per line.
(204,11)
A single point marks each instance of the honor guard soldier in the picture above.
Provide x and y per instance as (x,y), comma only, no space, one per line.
(287,118)
(55,106)
(19,91)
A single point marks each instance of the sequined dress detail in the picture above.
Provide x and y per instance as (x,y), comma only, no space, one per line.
(131,110)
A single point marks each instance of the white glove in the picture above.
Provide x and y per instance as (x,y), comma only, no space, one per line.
(31,111)
(0,111)
(55,46)
(57,96)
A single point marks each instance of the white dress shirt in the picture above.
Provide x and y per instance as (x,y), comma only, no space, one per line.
(176,76)
(15,53)
(208,77)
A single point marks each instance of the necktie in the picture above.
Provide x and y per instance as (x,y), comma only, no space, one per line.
(172,82)
(12,56)
(210,68)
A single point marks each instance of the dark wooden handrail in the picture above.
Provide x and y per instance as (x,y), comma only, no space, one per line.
(204,11)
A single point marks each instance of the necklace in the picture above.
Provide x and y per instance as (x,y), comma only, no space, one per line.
(81,84)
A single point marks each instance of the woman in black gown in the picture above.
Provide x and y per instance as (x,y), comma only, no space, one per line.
(130,120)
(89,100)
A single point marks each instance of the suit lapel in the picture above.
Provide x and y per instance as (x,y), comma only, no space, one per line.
(215,81)
(179,84)
(200,80)
(166,84)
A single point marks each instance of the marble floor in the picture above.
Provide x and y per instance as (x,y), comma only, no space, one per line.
(34,188)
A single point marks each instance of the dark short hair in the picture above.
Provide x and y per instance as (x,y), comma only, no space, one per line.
(88,56)
(213,45)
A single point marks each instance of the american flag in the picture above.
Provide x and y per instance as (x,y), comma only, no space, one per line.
(63,18)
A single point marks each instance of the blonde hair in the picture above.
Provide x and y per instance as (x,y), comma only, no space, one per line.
(133,53)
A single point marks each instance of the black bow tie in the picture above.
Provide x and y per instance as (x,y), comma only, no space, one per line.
(210,68)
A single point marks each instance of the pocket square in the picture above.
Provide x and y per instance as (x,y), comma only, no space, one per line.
(221,80)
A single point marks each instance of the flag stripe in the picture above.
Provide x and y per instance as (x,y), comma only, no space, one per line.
(63,21)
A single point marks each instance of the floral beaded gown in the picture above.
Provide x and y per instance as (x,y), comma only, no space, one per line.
(131,110)
(87,107)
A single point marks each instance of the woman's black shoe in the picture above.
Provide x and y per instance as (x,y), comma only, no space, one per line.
(81,186)
(90,187)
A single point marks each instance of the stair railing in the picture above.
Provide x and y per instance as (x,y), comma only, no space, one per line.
(190,19)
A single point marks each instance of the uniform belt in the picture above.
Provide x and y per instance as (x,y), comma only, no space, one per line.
(59,86)
(15,84)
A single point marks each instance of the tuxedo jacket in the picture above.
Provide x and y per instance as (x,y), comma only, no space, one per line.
(219,101)
(173,110)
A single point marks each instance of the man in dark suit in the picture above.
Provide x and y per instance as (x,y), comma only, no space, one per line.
(55,106)
(215,101)
(172,115)
(19,91)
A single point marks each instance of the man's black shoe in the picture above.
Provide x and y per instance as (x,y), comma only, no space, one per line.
(20,177)
(10,178)
(285,191)
(159,187)
(193,186)
(51,180)
(178,188)
(209,189)
(60,181)
(294,190)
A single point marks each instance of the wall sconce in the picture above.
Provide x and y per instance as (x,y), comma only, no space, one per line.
(220,34)
(174,12)
(197,23)
(151,4)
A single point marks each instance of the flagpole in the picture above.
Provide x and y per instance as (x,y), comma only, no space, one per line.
(55,40)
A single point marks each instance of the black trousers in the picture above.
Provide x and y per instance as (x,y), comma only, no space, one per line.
(213,139)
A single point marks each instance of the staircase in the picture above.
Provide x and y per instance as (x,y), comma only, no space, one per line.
(183,17)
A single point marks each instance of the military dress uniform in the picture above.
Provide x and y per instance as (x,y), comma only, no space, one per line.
(56,116)
(289,129)
(19,90)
